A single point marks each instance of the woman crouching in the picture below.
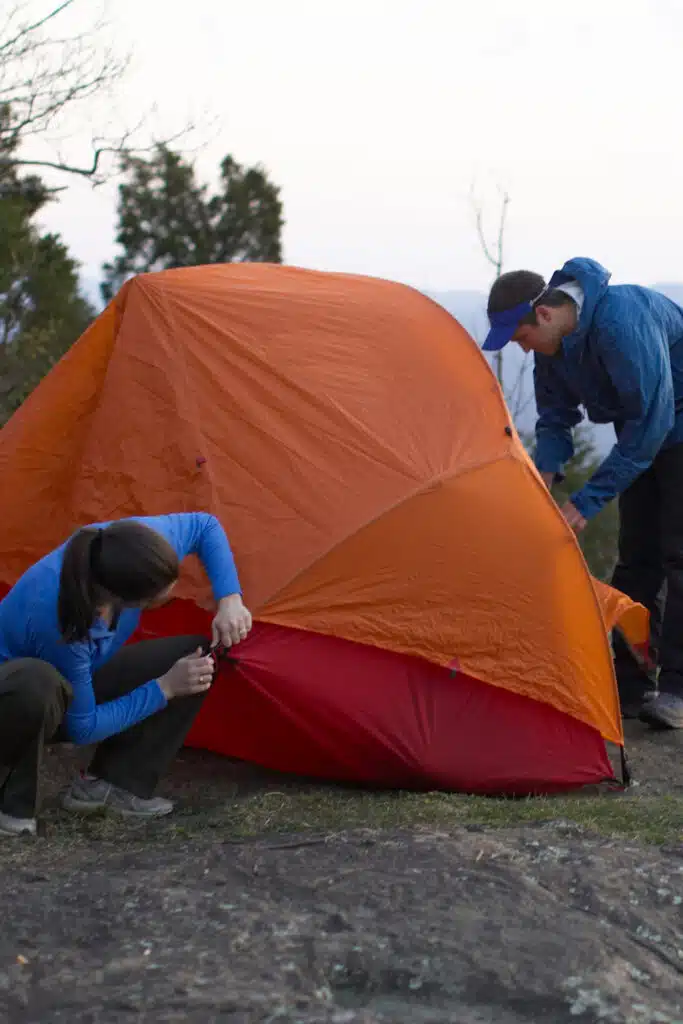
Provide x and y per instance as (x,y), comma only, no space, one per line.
(64,676)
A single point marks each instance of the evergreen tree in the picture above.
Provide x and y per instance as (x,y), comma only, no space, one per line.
(41,309)
(167,219)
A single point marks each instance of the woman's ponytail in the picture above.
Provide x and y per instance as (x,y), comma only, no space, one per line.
(126,563)
(76,606)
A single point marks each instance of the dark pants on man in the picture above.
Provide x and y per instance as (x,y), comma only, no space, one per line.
(34,698)
(650,571)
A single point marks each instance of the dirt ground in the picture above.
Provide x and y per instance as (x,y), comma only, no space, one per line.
(201,921)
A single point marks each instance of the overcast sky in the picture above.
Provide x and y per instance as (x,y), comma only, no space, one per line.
(375,117)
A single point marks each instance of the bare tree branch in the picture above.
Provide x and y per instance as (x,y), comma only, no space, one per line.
(120,148)
(482,240)
(46,75)
(505,202)
(494,256)
(56,165)
(517,395)
(26,30)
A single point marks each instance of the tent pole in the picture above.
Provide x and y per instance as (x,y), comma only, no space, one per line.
(625,769)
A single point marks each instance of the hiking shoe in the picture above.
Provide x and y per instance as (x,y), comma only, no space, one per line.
(87,793)
(10,826)
(664,712)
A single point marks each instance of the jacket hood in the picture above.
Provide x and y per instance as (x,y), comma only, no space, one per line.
(593,279)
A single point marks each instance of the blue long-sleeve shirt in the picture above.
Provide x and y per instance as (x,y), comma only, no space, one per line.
(622,365)
(29,626)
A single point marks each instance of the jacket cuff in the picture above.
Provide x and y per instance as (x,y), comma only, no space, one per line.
(548,465)
(587,505)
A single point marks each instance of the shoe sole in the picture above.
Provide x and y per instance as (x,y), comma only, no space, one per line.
(141,815)
(83,807)
(659,721)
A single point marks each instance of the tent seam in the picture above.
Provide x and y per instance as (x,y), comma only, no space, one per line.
(422,489)
(594,596)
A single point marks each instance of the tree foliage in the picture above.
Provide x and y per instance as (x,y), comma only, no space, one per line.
(600,537)
(41,309)
(166,218)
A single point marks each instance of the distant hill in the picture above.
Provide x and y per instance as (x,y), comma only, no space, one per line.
(468,308)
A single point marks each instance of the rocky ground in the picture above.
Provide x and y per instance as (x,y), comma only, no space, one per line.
(243,911)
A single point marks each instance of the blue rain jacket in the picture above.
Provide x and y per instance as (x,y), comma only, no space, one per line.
(623,365)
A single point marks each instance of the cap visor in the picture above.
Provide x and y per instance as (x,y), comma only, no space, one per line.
(497,338)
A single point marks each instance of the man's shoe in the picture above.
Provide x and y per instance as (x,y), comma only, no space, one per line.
(11,826)
(87,793)
(664,712)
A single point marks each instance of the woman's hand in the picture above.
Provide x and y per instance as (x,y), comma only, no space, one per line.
(232,622)
(188,676)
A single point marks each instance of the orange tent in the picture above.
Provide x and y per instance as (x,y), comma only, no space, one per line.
(424,615)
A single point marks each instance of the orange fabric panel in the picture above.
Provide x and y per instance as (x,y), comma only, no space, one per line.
(41,448)
(318,401)
(352,439)
(619,610)
(446,576)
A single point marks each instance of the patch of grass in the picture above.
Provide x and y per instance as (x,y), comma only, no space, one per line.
(657,820)
(651,820)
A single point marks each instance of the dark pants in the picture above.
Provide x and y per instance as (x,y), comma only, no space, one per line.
(650,570)
(34,698)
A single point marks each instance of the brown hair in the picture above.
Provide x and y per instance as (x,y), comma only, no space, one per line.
(126,561)
(518,286)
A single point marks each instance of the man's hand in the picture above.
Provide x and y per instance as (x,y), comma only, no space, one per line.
(574,518)
(231,623)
